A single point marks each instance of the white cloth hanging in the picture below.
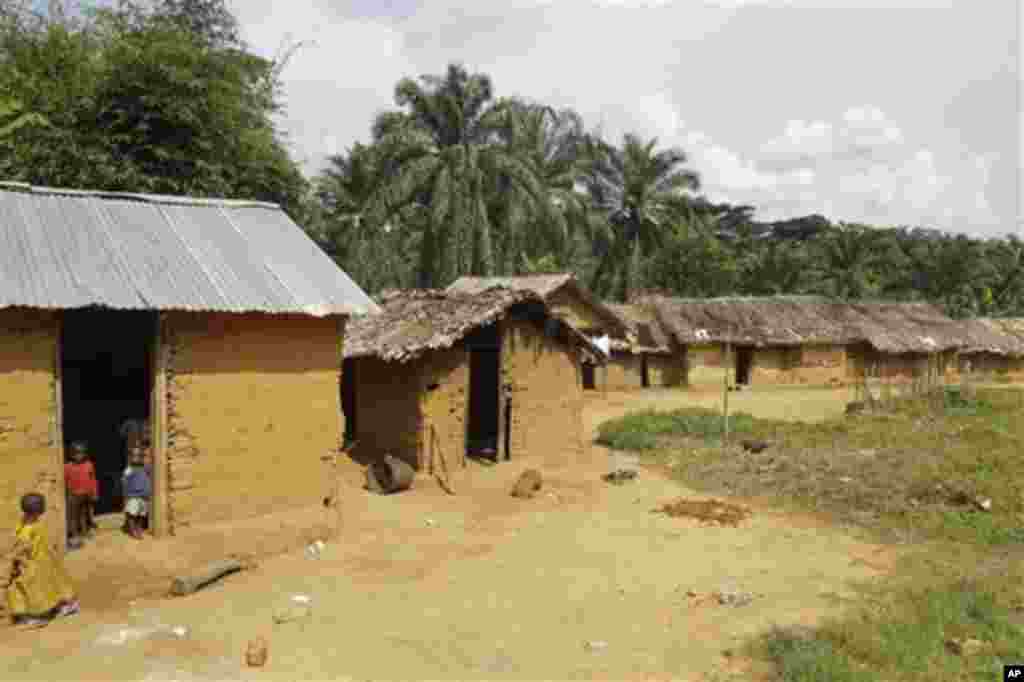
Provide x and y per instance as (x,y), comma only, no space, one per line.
(604,343)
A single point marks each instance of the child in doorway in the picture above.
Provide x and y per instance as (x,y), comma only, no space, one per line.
(82,493)
(38,586)
(137,490)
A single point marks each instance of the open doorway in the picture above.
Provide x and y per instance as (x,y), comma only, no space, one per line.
(482,426)
(744,363)
(106,380)
(645,377)
(348,399)
(588,376)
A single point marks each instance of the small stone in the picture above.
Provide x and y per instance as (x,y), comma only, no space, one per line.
(256,653)
(691,593)
(596,645)
(965,647)
(431,522)
(984,504)
(728,653)
(845,479)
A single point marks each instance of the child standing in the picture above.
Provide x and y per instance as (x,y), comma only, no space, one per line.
(83,491)
(38,587)
(137,490)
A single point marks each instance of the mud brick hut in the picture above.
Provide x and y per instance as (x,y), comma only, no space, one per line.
(444,375)
(653,359)
(901,341)
(807,339)
(993,347)
(218,322)
(571,302)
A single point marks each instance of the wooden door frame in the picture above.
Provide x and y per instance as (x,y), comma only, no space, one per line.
(160,518)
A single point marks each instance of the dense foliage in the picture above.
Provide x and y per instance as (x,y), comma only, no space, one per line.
(164,96)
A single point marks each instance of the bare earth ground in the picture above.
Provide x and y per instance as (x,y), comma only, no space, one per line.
(480,585)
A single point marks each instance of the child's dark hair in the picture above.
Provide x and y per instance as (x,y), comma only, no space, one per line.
(33,504)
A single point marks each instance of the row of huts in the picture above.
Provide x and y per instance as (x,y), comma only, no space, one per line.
(253,357)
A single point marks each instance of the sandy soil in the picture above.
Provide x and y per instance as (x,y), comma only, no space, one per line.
(480,585)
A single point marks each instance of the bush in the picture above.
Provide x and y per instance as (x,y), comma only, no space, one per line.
(641,430)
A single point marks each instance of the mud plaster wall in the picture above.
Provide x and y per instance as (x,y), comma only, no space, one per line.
(897,367)
(547,394)
(622,372)
(666,370)
(387,409)
(812,364)
(253,414)
(989,363)
(704,364)
(30,450)
(444,375)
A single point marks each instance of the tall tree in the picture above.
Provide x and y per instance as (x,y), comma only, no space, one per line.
(642,192)
(442,151)
(133,101)
(540,232)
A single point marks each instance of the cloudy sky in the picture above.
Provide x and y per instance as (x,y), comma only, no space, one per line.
(889,112)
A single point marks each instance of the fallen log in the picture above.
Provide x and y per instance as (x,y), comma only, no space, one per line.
(204,576)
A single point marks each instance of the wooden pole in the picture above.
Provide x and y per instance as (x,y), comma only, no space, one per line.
(725,393)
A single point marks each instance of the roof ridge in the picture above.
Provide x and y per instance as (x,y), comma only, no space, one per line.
(134,196)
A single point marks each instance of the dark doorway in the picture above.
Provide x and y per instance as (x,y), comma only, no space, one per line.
(348,398)
(645,377)
(588,376)
(484,347)
(744,362)
(106,379)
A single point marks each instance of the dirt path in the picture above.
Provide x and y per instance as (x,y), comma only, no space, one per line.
(480,586)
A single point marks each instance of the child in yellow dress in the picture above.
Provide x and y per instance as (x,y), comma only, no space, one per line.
(38,587)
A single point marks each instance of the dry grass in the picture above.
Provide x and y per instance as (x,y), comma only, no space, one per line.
(918,475)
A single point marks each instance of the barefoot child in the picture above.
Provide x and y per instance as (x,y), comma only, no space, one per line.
(137,490)
(38,587)
(83,491)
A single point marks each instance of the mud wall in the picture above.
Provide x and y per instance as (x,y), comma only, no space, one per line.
(547,395)
(31,454)
(666,370)
(704,364)
(387,407)
(813,365)
(444,376)
(253,414)
(622,372)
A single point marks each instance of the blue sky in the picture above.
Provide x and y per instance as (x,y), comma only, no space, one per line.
(889,112)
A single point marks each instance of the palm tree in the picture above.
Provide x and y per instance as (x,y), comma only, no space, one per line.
(441,153)
(848,258)
(642,193)
(550,141)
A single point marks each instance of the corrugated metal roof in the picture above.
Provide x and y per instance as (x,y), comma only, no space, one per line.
(71,248)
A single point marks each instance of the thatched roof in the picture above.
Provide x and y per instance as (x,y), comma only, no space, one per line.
(545,286)
(413,322)
(648,332)
(995,336)
(804,320)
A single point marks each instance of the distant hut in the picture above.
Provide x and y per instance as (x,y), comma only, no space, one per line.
(786,340)
(444,375)
(902,341)
(993,347)
(215,326)
(653,359)
(571,302)
(807,339)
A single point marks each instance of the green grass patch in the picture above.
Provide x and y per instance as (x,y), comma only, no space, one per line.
(646,430)
(903,634)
